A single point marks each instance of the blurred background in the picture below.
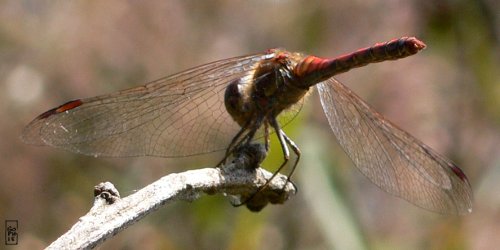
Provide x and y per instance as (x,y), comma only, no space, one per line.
(448,96)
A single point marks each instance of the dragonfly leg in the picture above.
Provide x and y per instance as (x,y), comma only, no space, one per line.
(285,141)
(286,155)
(297,152)
(241,138)
(284,145)
(266,136)
(237,140)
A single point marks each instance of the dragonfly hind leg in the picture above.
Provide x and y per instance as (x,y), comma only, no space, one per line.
(285,141)
(297,152)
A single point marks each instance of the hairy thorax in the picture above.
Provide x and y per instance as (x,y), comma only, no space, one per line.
(270,89)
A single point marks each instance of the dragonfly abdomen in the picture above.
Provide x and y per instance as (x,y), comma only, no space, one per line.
(314,69)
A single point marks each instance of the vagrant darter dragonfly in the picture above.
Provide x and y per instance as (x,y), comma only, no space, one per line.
(229,103)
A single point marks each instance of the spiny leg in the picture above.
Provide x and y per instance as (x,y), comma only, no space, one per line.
(267,139)
(286,155)
(237,140)
(297,152)
(250,128)
(252,131)
(283,142)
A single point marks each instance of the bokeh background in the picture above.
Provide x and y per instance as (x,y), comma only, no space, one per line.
(448,96)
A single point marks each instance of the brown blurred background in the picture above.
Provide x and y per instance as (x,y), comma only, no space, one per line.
(448,96)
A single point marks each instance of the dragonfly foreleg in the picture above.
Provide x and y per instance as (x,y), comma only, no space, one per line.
(244,136)
(237,140)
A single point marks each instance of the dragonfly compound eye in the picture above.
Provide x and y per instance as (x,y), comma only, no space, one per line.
(236,100)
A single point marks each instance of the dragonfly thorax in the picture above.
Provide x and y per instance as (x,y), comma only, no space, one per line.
(271,89)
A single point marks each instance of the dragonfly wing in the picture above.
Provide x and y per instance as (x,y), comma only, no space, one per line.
(180,115)
(391,158)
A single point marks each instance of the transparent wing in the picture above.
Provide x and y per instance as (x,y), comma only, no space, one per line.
(390,157)
(180,115)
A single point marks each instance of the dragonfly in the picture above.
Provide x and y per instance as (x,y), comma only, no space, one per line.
(233,102)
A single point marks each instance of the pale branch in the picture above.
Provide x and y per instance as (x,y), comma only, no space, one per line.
(110,214)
